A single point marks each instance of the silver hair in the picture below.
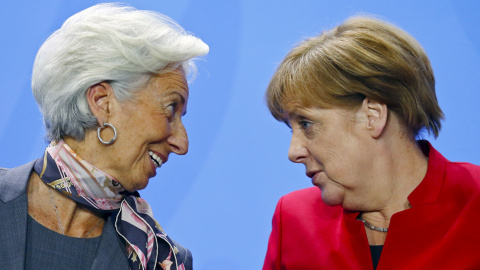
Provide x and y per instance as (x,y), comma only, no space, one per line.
(105,43)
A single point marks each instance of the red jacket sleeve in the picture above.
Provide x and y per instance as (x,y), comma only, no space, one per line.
(273,257)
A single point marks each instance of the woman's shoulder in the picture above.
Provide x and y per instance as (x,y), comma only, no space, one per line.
(304,212)
(306,195)
(17,170)
(13,182)
(463,175)
(303,198)
(307,202)
(465,167)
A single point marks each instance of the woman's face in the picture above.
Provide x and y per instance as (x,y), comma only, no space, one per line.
(149,129)
(330,143)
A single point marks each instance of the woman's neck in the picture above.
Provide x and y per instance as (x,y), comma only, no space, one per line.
(60,214)
(403,167)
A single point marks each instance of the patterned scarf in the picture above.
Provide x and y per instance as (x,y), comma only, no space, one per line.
(148,246)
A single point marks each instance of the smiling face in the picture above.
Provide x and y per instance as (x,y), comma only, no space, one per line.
(331,145)
(149,129)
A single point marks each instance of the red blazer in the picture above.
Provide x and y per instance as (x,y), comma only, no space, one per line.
(440,231)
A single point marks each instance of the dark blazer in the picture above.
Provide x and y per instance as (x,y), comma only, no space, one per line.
(13,227)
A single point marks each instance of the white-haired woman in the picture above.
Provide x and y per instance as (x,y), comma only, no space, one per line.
(111,85)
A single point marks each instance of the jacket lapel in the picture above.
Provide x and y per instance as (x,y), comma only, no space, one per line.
(111,253)
(14,211)
(418,229)
(14,233)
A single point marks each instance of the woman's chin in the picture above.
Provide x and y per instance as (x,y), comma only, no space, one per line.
(142,185)
(332,198)
(136,185)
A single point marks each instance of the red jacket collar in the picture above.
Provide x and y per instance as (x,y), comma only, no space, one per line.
(429,189)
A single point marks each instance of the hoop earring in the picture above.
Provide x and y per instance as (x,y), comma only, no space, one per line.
(114,133)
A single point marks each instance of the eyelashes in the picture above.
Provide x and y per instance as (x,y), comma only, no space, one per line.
(304,124)
(171,110)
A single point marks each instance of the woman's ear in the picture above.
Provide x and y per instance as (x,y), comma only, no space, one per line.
(99,100)
(377,115)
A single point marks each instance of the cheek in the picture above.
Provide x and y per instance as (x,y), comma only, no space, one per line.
(144,127)
(157,130)
(340,150)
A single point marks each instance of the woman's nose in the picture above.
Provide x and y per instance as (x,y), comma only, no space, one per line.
(178,140)
(297,151)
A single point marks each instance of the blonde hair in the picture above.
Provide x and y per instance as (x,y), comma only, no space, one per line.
(363,57)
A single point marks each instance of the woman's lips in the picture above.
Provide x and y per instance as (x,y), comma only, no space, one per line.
(154,168)
(315,179)
(159,161)
(157,158)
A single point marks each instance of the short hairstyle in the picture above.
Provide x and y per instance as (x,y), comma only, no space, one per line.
(105,43)
(362,57)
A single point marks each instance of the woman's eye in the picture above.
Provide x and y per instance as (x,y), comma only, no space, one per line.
(171,110)
(304,124)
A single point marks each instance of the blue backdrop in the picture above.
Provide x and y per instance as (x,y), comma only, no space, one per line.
(222,194)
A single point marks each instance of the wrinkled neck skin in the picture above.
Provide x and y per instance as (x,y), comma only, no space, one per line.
(76,220)
(398,166)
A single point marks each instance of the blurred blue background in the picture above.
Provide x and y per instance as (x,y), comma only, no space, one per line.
(221,196)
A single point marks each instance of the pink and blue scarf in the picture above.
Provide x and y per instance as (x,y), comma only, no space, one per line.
(148,246)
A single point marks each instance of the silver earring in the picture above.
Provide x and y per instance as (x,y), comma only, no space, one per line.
(114,133)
